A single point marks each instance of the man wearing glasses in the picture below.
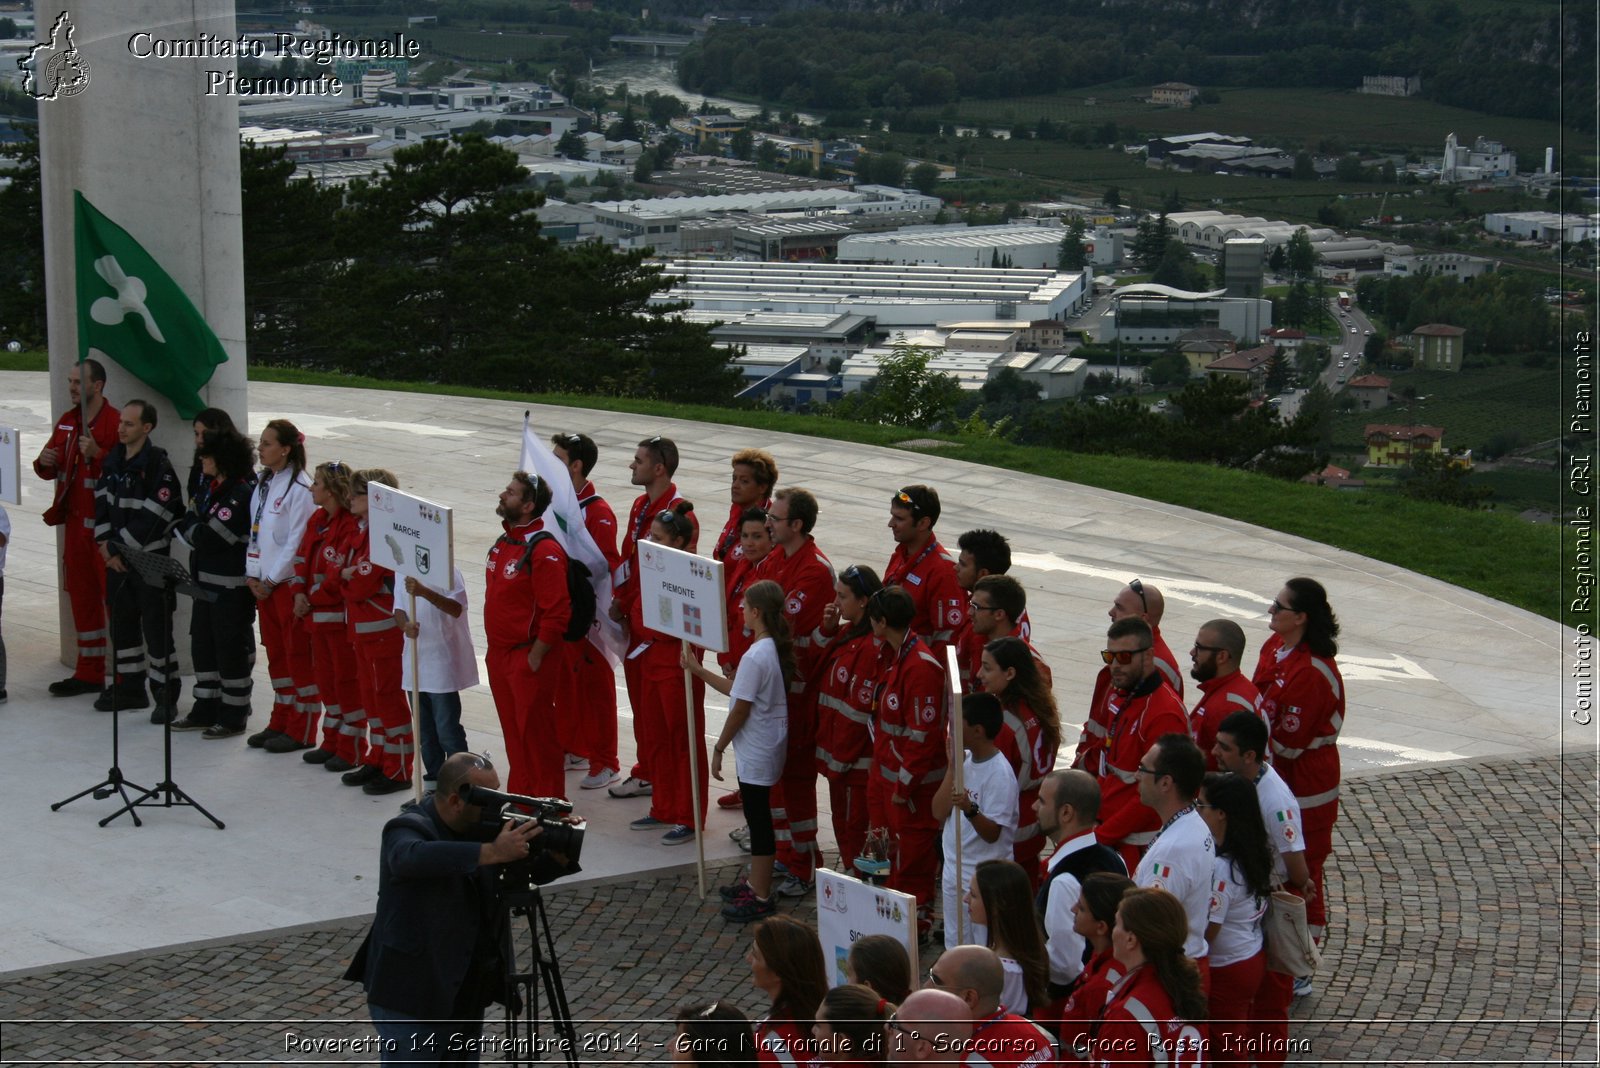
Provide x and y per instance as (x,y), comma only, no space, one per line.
(1136,600)
(999,610)
(1137,708)
(981,553)
(931,1026)
(924,568)
(1224,689)
(1000,1038)
(1182,857)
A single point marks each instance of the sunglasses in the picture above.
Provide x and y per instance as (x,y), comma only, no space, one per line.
(1274,608)
(852,577)
(1138,588)
(904,498)
(336,466)
(1122,656)
(1198,648)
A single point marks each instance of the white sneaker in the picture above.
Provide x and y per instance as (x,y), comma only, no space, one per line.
(740,834)
(574,761)
(599,779)
(794,886)
(631,787)
(1303,987)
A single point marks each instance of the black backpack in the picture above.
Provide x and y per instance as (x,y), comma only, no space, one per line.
(578,590)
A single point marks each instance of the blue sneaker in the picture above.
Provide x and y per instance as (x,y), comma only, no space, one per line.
(678,835)
(646,823)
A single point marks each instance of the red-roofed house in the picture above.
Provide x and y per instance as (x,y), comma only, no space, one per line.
(1393,445)
(1249,364)
(1284,337)
(1370,392)
(1436,347)
(1337,477)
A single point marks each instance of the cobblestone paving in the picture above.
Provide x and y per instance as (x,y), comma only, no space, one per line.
(1465,932)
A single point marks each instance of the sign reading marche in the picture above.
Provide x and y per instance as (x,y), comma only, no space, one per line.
(10,465)
(132,313)
(681,594)
(410,536)
(848,909)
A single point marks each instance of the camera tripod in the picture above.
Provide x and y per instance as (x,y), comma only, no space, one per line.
(524,1043)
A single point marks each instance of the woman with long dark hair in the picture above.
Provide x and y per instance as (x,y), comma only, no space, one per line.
(1001,898)
(758,729)
(1302,700)
(849,1028)
(209,420)
(1093,916)
(786,965)
(1159,1004)
(717,1035)
(1031,735)
(1242,882)
(881,963)
(845,678)
(278,515)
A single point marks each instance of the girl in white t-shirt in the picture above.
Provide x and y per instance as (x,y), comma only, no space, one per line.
(758,729)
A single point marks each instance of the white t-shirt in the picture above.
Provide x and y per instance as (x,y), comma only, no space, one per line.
(445,660)
(1014,994)
(760,745)
(994,785)
(1180,862)
(5,529)
(1238,910)
(1281,813)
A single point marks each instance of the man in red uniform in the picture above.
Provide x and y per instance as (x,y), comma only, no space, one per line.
(980,553)
(999,607)
(1138,707)
(1224,689)
(72,459)
(589,691)
(911,715)
(924,568)
(796,564)
(1001,1036)
(526,608)
(655,460)
(1136,600)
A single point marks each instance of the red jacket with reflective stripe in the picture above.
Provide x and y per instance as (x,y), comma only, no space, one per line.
(911,717)
(1135,720)
(930,579)
(844,682)
(525,593)
(1302,700)
(1219,699)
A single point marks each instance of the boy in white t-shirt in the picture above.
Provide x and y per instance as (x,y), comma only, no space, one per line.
(446,665)
(983,811)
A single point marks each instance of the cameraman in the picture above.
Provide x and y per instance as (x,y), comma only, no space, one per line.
(435,956)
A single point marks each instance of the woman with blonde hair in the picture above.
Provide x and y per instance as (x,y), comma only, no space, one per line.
(318,604)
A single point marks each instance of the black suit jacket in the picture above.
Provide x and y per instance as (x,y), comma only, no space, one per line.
(431,921)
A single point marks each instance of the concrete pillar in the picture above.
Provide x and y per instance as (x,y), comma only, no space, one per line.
(142,141)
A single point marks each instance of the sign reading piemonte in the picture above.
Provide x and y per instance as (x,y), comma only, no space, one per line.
(681,595)
(410,535)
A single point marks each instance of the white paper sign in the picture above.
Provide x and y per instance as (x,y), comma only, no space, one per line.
(410,536)
(10,465)
(848,909)
(681,594)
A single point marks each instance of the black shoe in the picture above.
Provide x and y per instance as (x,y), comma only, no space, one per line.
(316,756)
(259,739)
(217,730)
(164,712)
(361,776)
(72,686)
(385,785)
(2,697)
(112,699)
(187,723)
(337,763)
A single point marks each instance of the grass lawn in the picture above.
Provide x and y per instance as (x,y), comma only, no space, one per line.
(1468,549)
(1472,406)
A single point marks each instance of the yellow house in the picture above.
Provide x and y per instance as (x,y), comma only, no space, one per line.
(1393,445)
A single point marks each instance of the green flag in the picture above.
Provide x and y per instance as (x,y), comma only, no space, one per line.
(135,314)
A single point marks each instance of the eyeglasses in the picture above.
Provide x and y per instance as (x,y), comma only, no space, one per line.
(1198,648)
(1138,588)
(778,518)
(933,977)
(479,761)
(1152,772)
(976,607)
(894,1022)
(1122,656)
(1274,608)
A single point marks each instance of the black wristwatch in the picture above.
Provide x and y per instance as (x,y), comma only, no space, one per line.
(973,812)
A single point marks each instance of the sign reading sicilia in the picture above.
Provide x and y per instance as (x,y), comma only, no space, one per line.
(409,535)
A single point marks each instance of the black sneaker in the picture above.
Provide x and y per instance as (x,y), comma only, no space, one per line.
(382,784)
(72,686)
(285,744)
(750,908)
(315,756)
(363,775)
(112,699)
(337,763)
(217,730)
(187,723)
(164,712)
(259,739)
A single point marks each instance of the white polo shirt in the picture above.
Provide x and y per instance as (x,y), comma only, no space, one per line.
(1180,861)
(1281,813)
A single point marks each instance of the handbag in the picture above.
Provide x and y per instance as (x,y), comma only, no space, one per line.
(1290,948)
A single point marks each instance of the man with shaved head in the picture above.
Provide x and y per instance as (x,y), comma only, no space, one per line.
(1136,600)
(931,1026)
(1224,689)
(1000,1038)
(1068,808)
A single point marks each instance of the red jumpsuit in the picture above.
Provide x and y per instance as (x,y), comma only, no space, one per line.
(625,593)
(82,571)
(844,680)
(1134,721)
(1140,1017)
(588,699)
(322,554)
(1302,700)
(807,581)
(911,713)
(661,714)
(1022,740)
(525,600)
(1094,728)
(376,638)
(930,579)
(1219,699)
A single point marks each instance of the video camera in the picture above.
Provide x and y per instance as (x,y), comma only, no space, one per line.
(553,854)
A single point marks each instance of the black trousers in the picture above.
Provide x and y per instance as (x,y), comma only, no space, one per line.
(141,636)
(222,644)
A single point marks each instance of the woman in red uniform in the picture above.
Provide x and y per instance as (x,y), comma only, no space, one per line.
(320,607)
(1030,737)
(1302,700)
(786,965)
(1158,1005)
(846,674)
(1093,917)
(849,1027)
